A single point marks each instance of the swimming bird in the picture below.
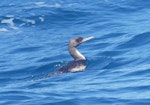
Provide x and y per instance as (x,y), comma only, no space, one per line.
(79,63)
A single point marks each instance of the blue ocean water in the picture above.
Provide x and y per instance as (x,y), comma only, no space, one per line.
(34,35)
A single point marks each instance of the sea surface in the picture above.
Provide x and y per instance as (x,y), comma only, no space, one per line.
(34,36)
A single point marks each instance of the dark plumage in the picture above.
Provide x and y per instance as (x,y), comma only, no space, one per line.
(79,63)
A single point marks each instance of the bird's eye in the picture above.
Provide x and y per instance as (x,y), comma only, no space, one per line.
(79,39)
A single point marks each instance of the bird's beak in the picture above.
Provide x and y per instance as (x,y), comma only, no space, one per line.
(88,38)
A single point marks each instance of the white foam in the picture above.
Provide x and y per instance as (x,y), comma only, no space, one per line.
(43,4)
(72,4)
(10,16)
(15,28)
(29,21)
(3,30)
(42,19)
(40,3)
(22,24)
(8,21)
(57,5)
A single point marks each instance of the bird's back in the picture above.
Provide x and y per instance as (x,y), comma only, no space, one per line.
(73,66)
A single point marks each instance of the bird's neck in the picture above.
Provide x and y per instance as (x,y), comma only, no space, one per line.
(75,53)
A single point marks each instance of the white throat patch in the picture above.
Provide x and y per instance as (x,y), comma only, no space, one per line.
(79,54)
